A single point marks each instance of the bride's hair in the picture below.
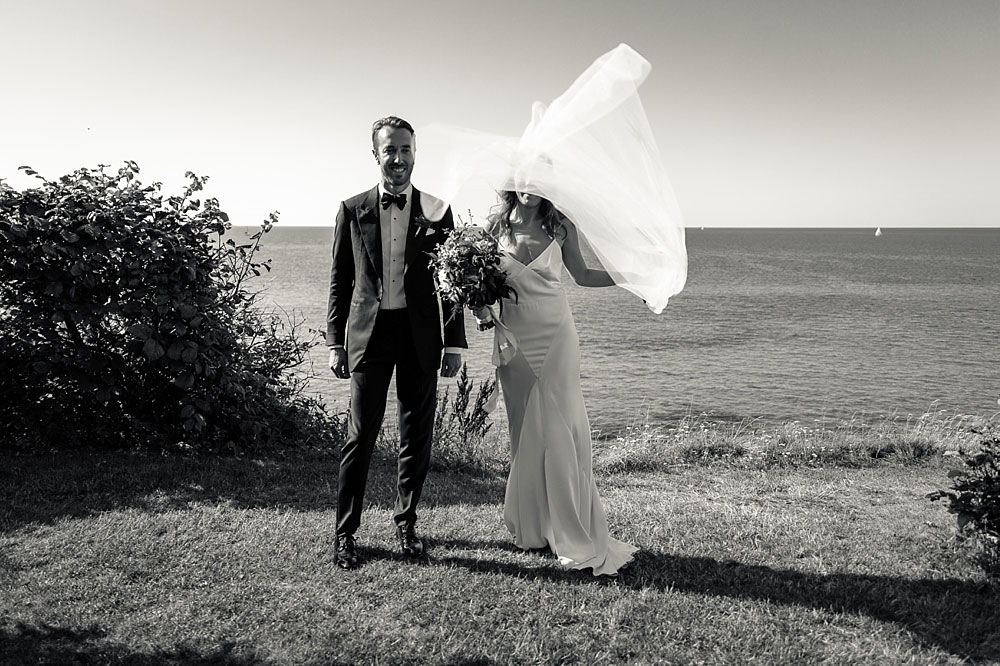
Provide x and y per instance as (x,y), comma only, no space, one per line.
(503,211)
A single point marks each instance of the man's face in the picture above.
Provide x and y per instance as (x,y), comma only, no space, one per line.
(395,153)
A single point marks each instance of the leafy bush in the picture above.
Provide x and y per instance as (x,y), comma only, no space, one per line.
(975,499)
(125,320)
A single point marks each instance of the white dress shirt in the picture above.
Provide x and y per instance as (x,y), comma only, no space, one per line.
(394,222)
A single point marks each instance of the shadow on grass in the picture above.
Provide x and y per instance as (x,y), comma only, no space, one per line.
(44,644)
(961,617)
(26,644)
(43,489)
(370,554)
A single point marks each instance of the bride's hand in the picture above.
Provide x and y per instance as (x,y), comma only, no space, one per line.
(484,318)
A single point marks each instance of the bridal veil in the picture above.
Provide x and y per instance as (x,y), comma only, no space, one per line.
(593,155)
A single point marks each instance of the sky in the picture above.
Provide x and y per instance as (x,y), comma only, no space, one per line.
(772,113)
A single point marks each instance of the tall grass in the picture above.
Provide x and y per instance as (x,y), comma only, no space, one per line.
(466,440)
(858,441)
(465,436)
(470,440)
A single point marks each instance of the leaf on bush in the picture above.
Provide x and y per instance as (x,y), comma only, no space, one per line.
(174,350)
(54,288)
(153,350)
(184,381)
(186,311)
(140,331)
(195,423)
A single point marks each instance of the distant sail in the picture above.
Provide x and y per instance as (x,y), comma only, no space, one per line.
(878,231)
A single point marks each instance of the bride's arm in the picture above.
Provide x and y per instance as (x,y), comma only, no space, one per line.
(573,258)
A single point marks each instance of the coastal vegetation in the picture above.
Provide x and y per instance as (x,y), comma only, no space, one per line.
(975,499)
(127,320)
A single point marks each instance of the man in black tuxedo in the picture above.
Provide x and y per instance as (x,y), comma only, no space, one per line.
(384,314)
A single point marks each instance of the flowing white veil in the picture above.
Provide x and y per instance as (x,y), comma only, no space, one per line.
(593,155)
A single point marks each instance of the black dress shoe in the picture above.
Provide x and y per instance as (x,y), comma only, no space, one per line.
(347,552)
(409,542)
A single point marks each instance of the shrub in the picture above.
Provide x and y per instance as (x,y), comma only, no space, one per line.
(975,499)
(461,426)
(125,319)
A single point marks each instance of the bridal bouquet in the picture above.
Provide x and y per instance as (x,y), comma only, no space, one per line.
(467,270)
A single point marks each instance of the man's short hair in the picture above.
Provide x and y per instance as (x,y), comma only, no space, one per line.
(390,121)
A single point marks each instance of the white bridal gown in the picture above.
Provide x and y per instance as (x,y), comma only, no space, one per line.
(551,497)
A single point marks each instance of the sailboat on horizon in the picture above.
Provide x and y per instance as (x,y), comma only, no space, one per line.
(878,231)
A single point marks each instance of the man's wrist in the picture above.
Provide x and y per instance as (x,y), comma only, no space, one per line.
(453,350)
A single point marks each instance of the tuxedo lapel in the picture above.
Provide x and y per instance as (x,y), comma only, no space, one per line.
(371,229)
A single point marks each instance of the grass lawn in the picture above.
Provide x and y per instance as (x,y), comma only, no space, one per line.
(113,558)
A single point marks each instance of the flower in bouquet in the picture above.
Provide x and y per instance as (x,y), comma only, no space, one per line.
(467,269)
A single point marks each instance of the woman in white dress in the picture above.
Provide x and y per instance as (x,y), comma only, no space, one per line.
(589,157)
(551,499)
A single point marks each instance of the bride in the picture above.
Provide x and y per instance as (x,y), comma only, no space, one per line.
(551,500)
(586,168)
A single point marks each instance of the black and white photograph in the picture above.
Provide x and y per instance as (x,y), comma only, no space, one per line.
(482,332)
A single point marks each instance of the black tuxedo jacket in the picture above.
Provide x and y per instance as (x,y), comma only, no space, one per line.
(356,280)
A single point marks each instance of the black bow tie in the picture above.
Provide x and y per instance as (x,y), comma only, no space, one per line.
(389,199)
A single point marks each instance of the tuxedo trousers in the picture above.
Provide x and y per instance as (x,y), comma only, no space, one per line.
(389,348)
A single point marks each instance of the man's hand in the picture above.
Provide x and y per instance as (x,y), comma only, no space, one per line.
(338,362)
(451,364)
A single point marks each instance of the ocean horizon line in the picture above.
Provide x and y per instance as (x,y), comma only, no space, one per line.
(720,227)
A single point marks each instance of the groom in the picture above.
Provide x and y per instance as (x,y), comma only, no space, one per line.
(384,314)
